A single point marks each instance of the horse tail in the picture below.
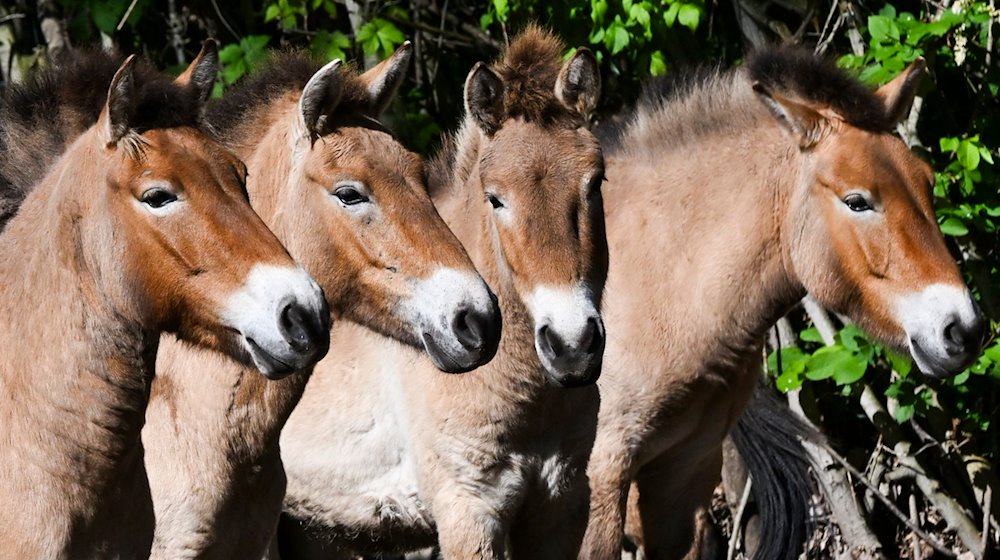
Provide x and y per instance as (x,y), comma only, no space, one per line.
(769,440)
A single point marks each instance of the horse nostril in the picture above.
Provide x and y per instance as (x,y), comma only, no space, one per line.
(593,338)
(960,337)
(293,321)
(552,344)
(470,328)
(953,336)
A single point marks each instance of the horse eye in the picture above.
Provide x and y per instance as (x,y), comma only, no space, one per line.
(157,197)
(857,203)
(349,196)
(494,201)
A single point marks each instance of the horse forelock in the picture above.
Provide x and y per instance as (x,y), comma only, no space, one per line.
(529,69)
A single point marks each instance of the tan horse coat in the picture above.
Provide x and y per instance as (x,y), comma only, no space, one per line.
(383,452)
(725,205)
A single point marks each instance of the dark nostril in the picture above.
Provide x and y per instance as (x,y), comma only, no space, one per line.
(469,328)
(593,338)
(553,345)
(960,337)
(296,328)
(953,336)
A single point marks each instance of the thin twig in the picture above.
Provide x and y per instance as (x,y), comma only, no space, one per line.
(128,12)
(891,506)
(11,17)
(738,520)
(824,39)
(987,507)
(914,545)
(225,23)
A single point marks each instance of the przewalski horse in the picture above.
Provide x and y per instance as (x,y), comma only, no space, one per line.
(727,202)
(141,226)
(351,205)
(383,451)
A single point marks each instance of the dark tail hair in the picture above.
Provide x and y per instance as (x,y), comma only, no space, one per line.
(767,437)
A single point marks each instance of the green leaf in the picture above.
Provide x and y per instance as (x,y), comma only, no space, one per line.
(811,335)
(657,66)
(903,413)
(597,10)
(878,27)
(954,227)
(899,363)
(949,144)
(670,16)
(617,37)
(272,12)
(836,362)
(689,15)
(968,154)
(788,381)
(792,359)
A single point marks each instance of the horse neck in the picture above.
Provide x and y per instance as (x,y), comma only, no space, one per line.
(257,408)
(266,142)
(75,373)
(718,222)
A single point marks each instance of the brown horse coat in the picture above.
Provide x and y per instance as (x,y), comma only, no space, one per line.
(351,205)
(82,309)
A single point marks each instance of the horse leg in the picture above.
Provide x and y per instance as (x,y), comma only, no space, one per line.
(468,526)
(609,485)
(553,527)
(671,493)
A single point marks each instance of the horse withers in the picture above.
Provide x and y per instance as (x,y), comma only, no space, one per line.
(140,225)
(728,201)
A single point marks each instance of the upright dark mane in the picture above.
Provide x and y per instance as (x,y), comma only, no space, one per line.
(676,111)
(818,80)
(44,114)
(286,71)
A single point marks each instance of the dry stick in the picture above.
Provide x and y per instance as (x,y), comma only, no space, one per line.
(987,506)
(176,26)
(128,12)
(861,541)
(914,545)
(892,507)
(218,12)
(738,520)
(949,509)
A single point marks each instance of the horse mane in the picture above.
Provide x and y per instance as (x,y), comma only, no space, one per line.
(284,72)
(677,110)
(41,116)
(529,68)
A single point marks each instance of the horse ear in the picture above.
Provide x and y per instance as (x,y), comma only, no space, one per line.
(804,122)
(898,94)
(200,74)
(578,86)
(384,79)
(115,120)
(320,97)
(484,93)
